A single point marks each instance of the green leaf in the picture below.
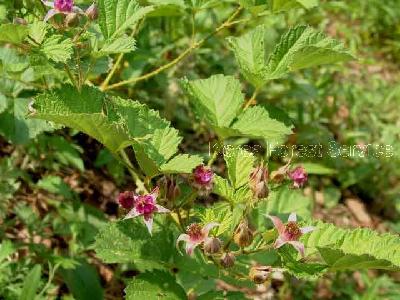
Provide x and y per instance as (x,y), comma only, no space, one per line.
(154,285)
(57,49)
(240,164)
(304,47)
(13,33)
(182,163)
(299,269)
(6,249)
(115,16)
(223,188)
(113,121)
(256,122)
(31,283)
(285,201)
(55,185)
(123,44)
(217,100)
(88,111)
(318,169)
(354,249)
(128,241)
(83,281)
(37,31)
(283,5)
(249,51)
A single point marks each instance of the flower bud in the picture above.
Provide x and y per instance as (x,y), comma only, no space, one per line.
(243,236)
(212,245)
(126,199)
(92,12)
(258,182)
(227,260)
(299,176)
(202,179)
(260,274)
(71,20)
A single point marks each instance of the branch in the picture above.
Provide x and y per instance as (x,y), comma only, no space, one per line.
(185,53)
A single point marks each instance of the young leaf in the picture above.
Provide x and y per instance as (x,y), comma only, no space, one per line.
(56,49)
(304,47)
(240,163)
(256,122)
(223,188)
(115,16)
(152,285)
(217,100)
(250,54)
(13,33)
(283,5)
(358,248)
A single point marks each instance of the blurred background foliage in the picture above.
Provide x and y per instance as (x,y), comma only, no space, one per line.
(58,186)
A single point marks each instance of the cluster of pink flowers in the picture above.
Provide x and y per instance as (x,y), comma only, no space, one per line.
(202,179)
(67,7)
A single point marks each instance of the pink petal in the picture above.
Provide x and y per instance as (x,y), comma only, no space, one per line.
(132,214)
(154,193)
(183,237)
(190,248)
(148,221)
(299,246)
(278,224)
(279,243)
(50,14)
(162,209)
(307,229)
(206,229)
(292,217)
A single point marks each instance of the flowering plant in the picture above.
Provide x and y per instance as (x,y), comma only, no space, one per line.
(226,206)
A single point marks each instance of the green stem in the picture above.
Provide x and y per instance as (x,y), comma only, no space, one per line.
(139,183)
(252,100)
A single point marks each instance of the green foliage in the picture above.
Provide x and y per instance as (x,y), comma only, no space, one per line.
(117,16)
(218,101)
(359,248)
(13,33)
(129,242)
(57,49)
(301,47)
(240,164)
(283,5)
(154,285)
(31,283)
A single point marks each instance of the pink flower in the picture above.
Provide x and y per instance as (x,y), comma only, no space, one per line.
(60,7)
(195,235)
(146,206)
(126,199)
(290,232)
(299,176)
(202,179)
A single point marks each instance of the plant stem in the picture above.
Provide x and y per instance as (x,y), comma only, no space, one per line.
(71,77)
(139,183)
(252,100)
(185,53)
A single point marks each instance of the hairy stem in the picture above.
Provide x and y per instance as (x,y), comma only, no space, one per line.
(139,183)
(252,100)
